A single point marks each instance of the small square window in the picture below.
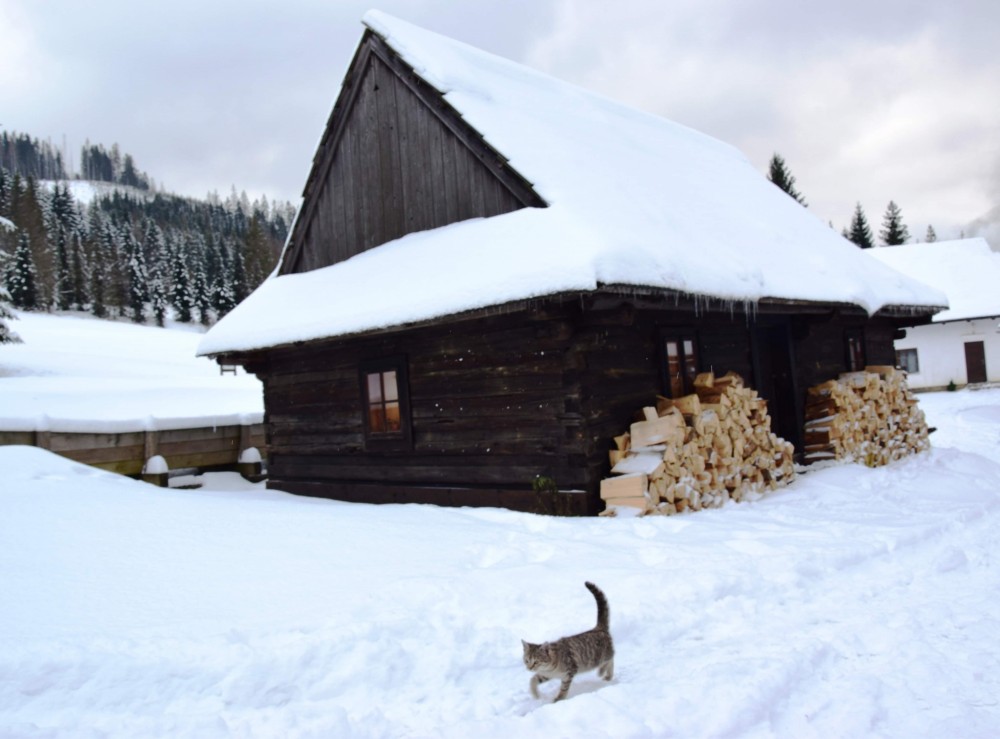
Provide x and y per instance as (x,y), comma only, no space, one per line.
(906,359)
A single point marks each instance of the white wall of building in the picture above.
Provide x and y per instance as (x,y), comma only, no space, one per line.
(941,351)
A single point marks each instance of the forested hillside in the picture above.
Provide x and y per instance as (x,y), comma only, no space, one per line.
(126,249)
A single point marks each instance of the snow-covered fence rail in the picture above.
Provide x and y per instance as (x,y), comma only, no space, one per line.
(126,453)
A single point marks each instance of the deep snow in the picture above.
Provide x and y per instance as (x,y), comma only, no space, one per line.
(855,602)
(74,373)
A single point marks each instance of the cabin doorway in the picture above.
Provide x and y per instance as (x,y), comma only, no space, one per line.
(975,361)
(774,379)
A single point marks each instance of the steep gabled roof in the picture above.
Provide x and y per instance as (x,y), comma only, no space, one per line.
(633,200)
(394,158)
(966,270)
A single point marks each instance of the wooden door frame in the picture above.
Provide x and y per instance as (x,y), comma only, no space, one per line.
(758,332)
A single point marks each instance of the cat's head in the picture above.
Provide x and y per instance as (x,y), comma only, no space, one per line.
(536,656)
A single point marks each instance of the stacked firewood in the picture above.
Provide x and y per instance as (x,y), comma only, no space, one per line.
(698,451)
(871,417)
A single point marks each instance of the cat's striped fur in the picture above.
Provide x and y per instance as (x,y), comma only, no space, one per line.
(591,650)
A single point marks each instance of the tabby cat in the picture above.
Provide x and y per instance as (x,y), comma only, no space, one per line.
(591,650)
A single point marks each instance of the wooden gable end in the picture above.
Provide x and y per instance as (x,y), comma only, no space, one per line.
(395,158)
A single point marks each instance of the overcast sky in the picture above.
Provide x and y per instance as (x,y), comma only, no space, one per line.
(867,100)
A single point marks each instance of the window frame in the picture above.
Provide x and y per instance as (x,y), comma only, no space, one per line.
(380,440)
(688,370)
(854,342)
(910,351)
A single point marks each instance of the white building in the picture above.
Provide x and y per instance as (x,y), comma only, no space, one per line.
(962,345)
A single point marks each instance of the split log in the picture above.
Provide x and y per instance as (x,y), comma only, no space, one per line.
(713,445)
(869,416)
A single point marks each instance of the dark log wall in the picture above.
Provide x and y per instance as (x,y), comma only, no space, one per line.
(488,406)
(496,401)
(394,167)
(821,345)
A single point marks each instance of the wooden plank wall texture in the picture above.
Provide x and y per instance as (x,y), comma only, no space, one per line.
(396,169)
(498,400)
(126,453)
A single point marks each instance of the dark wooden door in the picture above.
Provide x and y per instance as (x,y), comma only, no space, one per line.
(975,361)
(775,379)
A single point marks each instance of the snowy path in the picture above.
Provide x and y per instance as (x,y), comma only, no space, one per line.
(855,603)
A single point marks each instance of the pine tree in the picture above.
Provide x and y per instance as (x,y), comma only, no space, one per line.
(859,231)
(21,276)
(6,185)
(135,271)
(181,297)
(931,235)
(238,281)
(893,231)
(7,336)
(27,213)
(781,177)
(258,260)
(62,227)
(116,274)
(99,280)
(158,299)
(79,272)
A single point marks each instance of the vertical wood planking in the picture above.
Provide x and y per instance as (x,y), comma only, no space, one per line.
(396,168)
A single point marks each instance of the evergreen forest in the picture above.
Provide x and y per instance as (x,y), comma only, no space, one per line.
(132,251)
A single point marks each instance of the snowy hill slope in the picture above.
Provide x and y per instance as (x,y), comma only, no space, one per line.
(76,373)
(855,602)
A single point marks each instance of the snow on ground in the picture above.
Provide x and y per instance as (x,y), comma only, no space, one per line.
(855,602)
(76,373)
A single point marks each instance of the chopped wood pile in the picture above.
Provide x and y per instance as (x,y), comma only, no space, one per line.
(698,451)
(871,417)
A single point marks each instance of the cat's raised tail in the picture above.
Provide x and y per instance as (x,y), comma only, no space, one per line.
(603,610)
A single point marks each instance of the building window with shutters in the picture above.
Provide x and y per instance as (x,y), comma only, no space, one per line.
(385,402)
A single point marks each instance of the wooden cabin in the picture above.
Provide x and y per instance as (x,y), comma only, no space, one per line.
(492,270)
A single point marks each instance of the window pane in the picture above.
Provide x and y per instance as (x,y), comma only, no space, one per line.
(676,381)
(376,419)
(907,359)
(389,384)
(374,388)
(392,422)
(690,363)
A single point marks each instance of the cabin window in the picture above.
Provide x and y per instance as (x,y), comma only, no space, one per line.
(855,347)
(385,403)
(906,359)
(680,363)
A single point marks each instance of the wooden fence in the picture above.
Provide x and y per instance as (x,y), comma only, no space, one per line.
(126,453)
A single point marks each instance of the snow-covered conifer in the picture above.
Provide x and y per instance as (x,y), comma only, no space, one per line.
(859,232)
(894,231)
(778,174)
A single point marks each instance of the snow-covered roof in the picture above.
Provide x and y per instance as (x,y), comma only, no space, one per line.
(634,200)
(966,270)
